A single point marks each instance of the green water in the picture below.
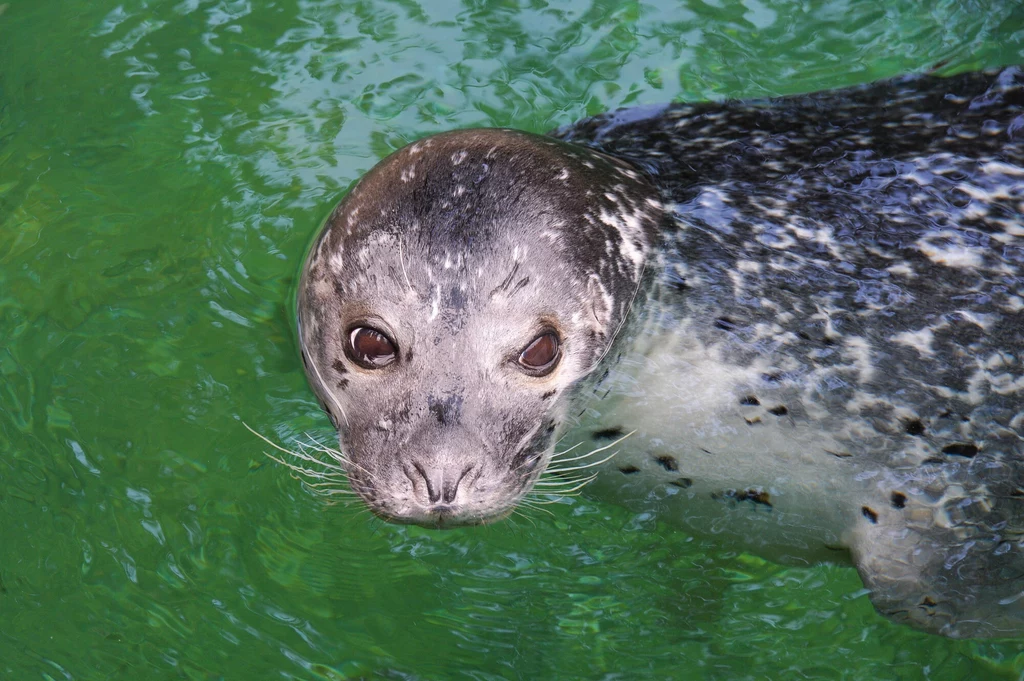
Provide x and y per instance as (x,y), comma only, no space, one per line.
(163,166)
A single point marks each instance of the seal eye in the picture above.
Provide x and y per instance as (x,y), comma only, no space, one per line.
(369,348)
(541,355)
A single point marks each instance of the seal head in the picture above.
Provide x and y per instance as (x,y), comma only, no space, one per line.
(454,303)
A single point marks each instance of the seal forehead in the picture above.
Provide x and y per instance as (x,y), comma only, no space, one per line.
(467,179)
(467,215)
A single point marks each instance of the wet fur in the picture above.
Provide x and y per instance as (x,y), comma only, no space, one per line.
(455,249)
(809,310)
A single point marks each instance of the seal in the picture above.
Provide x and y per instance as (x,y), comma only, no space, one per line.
(799,322)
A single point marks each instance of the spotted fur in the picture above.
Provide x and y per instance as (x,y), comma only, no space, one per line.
(808,311)
(461,248)
(852,265)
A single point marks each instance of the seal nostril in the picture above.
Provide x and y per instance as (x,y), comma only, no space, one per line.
(433,492)
(451,490)
(442,485)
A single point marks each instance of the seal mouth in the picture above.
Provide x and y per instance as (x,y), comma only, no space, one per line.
(441,517)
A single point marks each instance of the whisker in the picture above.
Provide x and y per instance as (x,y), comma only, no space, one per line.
(555,455)
(562,480)
(532,505)
(269,442)
(301,470)
(336,454)
(327,483)
(612,443)
(512,525)
(558,482)
(517,512)
(587,456)
(557,500)
(581,485)
(574,458)
(330,488)
(316,445)
(556,471)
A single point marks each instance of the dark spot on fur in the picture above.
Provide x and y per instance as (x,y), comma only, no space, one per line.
(960,449)
(548,395)
(629,470)
(758,496)
(779,410)
(899,500)
(339,366)
(551,427)
(408,355)
(342,384)
(914,427)
(869,514)
(447,410)
(773,377)
(929,602)
(456,299)
(750,401)
(608,433)
(755,495)
(725,324)
(668,463)
(683,483)
(803,336)
(828,340)
(839,455)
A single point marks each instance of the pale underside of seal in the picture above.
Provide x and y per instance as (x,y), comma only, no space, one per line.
(806,313)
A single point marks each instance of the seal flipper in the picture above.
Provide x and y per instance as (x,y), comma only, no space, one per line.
(948,559)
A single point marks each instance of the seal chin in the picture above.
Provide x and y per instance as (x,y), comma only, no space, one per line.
(440,516)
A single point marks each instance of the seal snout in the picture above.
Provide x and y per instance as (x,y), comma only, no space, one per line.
(441,482)
(443,494)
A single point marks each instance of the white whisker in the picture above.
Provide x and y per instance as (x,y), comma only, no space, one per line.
(532,505)
(586,481)
(558,498)
(556,471)
(555,455)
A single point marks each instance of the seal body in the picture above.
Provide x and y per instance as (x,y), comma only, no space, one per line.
(805,316)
